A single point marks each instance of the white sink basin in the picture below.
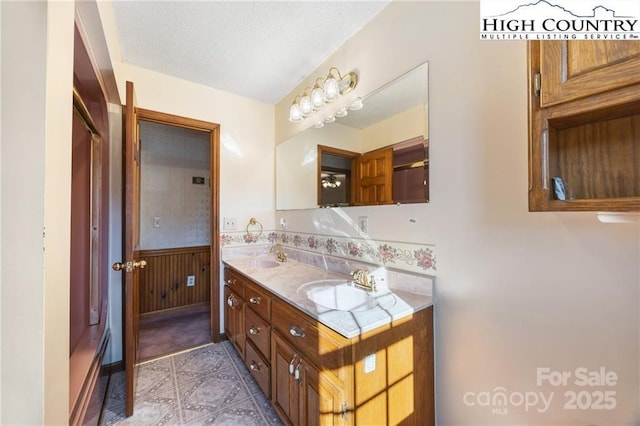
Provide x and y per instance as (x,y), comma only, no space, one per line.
(264,263)
(337,295)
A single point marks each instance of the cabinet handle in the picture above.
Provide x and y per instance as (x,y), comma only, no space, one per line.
(293,360)
(255,300)
(296,332)
(230,301)
(254,330)
(254,367)
(296,374)
(231,281)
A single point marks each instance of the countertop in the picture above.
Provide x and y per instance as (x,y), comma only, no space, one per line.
(398,294)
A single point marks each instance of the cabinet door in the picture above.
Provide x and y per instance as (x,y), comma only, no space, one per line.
(578,69)
(323,398)
(373,177)
(234,319)
(285,388)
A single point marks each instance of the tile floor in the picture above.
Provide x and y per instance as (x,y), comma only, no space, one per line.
(205,385)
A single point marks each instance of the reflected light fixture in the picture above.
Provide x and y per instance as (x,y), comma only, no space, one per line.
(330,182)
(342,113)
(333,87)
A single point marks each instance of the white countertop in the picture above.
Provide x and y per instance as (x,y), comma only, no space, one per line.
(398,295)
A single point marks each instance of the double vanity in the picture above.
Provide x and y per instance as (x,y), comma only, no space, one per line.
(332,341)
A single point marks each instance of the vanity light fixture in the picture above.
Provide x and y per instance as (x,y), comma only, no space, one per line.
(295,115)
(306,107)
(333,87)
(317,96)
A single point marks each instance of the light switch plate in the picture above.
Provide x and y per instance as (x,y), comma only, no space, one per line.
(191,280)
(363,224)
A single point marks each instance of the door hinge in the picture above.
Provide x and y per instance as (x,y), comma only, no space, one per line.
(537,83)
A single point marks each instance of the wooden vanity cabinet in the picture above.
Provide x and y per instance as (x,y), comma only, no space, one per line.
(302,393)
(257,330)
(314,375)
(584,125)
(310,374)
(234,310)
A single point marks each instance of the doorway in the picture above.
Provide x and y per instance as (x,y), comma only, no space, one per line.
(177,235)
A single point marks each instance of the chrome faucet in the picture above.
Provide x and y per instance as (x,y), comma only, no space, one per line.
(362,280)
(281,256)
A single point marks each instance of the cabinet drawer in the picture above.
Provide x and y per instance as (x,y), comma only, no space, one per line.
(312,339)
(234,281)
(258,331)
(258,299)
(259,368)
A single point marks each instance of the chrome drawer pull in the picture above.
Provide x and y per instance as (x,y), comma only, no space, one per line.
(255,300)
(230,301)
(291,367)
(254,367)
(296,332)
(296,375)
(254,330)
(231,281)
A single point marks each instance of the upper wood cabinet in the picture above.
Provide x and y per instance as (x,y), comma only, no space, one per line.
(584,125)
(577,69)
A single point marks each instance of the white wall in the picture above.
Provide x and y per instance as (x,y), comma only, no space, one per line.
(36,182)
(171,157)
(515,290)
(246,133)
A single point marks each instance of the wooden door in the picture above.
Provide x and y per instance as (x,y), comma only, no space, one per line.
(130,244)
(577,69)
(373,177)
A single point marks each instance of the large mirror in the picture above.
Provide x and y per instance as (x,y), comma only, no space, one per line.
(375,155)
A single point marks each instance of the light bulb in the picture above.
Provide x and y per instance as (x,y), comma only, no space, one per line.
(331,89)
(295,115)
(306,107)
(317,98)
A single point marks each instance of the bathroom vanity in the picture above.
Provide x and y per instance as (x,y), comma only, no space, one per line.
(324,351)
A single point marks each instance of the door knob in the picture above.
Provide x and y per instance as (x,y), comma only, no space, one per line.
(129,266)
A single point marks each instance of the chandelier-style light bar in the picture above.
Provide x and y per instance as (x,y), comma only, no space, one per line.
(314,99)
(330,182)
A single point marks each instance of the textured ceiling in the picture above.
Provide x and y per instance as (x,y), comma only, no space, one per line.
(260,50)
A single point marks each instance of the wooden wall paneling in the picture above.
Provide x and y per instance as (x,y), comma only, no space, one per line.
(163,282)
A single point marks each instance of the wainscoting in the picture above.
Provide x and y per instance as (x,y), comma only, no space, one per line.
(163,281)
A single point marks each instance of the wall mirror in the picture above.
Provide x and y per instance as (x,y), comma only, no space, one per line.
(376,155)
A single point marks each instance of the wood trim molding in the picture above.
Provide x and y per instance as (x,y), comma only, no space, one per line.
(177,250)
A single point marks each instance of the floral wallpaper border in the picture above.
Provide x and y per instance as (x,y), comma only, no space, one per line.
(410,257)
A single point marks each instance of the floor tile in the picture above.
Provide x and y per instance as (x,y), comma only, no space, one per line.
(207,385)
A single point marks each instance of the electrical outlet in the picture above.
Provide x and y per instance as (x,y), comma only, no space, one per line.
(370,363)
(229,224)
(156,222)
(191,280)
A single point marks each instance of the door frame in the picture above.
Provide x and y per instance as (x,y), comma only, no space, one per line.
(214,151)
